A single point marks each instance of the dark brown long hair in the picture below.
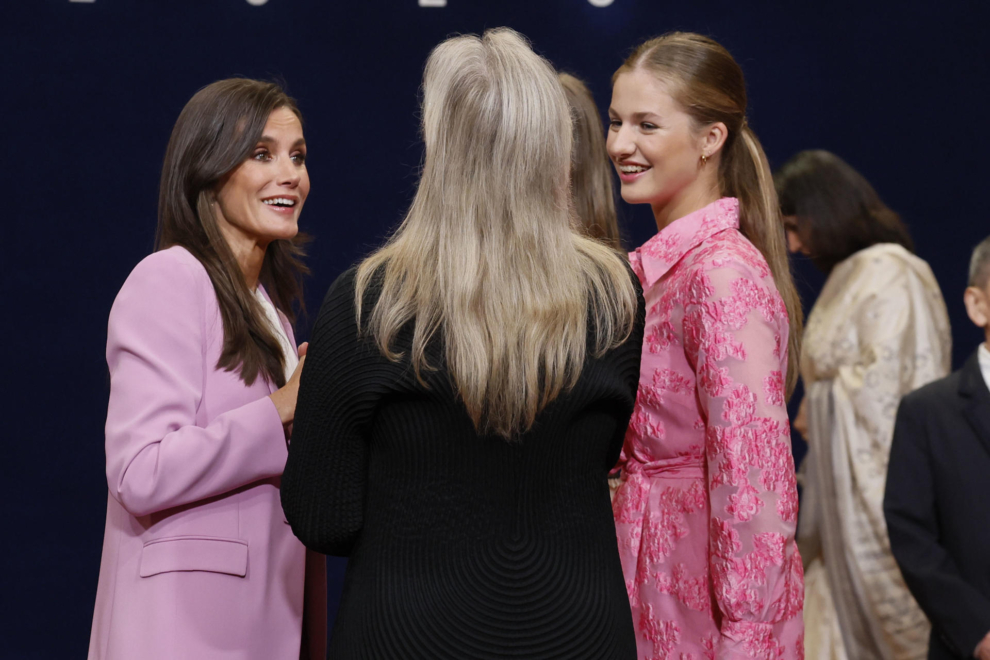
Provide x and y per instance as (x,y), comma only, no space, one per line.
(592,190)
(709,85)
(216,132)
(838,213)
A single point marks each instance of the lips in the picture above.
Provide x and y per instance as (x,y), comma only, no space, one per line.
(281,204)
(280,201)
(629,172)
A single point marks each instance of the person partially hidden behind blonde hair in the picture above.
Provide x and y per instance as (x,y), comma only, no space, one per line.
(592,191)
(467,389)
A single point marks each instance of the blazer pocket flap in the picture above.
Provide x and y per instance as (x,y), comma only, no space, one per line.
(194,553)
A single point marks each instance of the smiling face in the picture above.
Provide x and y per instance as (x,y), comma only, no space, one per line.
(657,148)
(260,201)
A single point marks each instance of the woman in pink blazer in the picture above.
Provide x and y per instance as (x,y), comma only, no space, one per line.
(198,561)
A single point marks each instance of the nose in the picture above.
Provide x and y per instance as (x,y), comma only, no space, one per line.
(289,173)
(619,144)
(794,244)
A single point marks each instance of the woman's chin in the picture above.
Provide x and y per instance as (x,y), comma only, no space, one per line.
(634,197)
(283,231)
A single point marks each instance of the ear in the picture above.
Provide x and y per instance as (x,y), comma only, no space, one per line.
(976,306)
(712,138)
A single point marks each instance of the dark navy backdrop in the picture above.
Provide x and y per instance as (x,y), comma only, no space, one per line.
(91,90)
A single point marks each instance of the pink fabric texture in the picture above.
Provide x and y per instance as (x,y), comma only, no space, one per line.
(707,508)
(198,561)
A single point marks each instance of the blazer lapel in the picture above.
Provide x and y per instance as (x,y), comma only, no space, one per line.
(973,388)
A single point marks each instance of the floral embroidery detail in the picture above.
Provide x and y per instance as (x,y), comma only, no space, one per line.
(662,248)
(744,504)
(663,528)
(699,288)
(794,593)
(696,498)
(773,388)
(754,296)
(630,500)
(709,642)
(725,538)
(769,548)
(665,635)
(692,591)
(643,425)
(787,505)
(711,393)
(714,379)
(664,380)
(758,639)
(660,337)
(739,406)
(633,593)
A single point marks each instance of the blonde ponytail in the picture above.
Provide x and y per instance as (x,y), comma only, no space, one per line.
(745,174)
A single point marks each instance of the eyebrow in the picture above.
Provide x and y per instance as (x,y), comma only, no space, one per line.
(636,115)
(301,142)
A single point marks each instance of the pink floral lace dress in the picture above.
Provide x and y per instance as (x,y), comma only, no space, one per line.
(707,507)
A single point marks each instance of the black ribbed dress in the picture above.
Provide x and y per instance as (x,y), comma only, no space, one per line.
(460,545)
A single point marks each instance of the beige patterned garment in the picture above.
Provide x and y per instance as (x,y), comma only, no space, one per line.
(878,331)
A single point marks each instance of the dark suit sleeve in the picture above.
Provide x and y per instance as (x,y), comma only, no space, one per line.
(958,611)
(323,487)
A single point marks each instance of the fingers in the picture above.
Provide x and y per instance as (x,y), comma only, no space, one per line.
(303,347)
(294,378)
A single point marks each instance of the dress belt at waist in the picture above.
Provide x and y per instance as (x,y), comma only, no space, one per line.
(682,467)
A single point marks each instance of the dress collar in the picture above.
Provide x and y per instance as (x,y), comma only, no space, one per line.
(655,257)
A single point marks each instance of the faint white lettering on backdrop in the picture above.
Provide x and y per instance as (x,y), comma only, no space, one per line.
(432,3)
(257,3)
(601,3)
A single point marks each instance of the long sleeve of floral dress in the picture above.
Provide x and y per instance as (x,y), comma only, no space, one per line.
(735,337)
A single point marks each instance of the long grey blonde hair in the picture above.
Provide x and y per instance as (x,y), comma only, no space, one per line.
(489,255)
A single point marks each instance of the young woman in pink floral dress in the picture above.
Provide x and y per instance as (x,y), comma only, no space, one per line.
(707,506)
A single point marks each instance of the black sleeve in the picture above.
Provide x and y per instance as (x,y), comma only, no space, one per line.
(958,611)
(628,357)
(323,487)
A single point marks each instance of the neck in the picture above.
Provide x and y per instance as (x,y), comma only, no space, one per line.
(687,202)
(248,251)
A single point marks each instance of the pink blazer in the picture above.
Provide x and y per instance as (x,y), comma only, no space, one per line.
(198,561)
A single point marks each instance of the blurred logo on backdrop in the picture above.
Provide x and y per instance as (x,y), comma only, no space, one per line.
(422,3)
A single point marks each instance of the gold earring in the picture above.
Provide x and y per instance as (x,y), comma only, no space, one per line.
(704,160)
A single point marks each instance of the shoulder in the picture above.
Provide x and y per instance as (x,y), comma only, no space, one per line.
(175,260)
(173,270)
(730,252)
(338,309)
(883,264)
(165,301)
(727,263)
(344,284)
(933,397)
(165,278)
(341,294)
